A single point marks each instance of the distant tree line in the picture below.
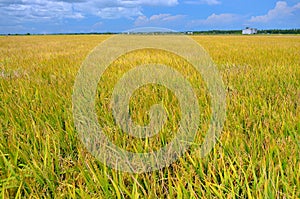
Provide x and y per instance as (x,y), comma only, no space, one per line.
(271,31)
(89,33)
(279,31)
(217,32)
(207,32)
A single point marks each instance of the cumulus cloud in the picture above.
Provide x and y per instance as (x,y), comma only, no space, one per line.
(37,10)
(160,19)
(155,2)
(208,2)
(280,13)
(23,10)
(118,12)
(216,19)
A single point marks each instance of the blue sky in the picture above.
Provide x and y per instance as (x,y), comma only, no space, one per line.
(66,16)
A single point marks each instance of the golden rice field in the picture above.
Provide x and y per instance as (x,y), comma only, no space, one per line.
(257,155)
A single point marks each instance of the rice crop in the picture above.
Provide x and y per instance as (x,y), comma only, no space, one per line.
(257,155)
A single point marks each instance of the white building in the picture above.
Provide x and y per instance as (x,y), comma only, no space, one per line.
(249,31)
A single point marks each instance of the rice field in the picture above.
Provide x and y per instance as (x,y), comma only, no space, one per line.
(257,156)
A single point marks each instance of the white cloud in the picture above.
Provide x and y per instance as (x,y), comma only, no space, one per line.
(41,10)
(118,12)
(36,10)
(155,2)
(280,13)
(160,19)
(208,2)
(112,9)
(215,19)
